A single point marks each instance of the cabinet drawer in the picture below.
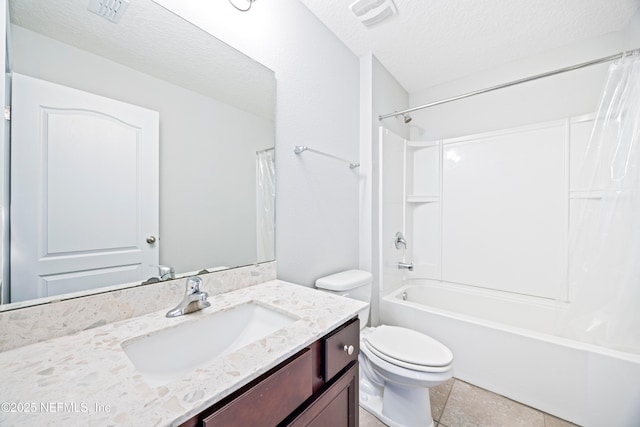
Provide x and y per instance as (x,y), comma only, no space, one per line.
(271,400)
(341,348)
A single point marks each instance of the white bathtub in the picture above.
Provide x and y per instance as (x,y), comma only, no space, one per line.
(505,344)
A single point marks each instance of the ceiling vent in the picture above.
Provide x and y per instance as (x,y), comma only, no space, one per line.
(111,10)
(372,12)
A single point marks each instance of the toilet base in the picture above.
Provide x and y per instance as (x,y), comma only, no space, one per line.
(412,411)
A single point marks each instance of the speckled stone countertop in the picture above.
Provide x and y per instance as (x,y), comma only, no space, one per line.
(86,379)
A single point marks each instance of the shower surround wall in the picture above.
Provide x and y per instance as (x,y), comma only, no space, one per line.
(380,93)
(486,176)
(571,94)
(487,218)
(493,185)
(492,210)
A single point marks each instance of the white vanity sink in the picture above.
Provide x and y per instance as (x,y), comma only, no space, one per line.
(172,353)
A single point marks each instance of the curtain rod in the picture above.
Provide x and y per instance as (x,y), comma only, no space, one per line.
(299,149)
(265,150)
(513,83)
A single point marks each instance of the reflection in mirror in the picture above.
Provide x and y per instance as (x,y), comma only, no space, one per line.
(139,149)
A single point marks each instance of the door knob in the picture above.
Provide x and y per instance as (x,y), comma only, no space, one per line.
(151,240)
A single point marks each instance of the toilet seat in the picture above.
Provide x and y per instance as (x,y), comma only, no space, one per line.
(409,349)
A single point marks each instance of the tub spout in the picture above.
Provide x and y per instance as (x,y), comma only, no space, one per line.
(408,266)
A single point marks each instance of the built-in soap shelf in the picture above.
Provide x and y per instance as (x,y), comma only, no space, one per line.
(423,144)
(584,194)
(422,198)
(423,171)
(423,207)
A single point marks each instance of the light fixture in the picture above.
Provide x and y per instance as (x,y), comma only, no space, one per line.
(241,9)
(372,12)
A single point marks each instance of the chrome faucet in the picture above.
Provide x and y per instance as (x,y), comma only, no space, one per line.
(408,266)
(166,273)
(194,299)
(400,241)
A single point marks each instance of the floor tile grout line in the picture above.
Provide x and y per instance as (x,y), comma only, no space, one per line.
(446,400)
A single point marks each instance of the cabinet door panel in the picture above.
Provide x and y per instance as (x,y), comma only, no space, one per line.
(335,414)
(271,400)
(337,406)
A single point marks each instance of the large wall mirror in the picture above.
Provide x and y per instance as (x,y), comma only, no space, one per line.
(140,149)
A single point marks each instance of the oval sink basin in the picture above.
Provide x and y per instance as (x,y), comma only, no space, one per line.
(170,354)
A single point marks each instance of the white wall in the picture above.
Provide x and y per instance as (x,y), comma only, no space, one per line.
(388,96)
(195,159)
(318,106)
(367,131)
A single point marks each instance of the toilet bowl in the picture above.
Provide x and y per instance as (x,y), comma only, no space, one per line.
(397,365)
(395,383)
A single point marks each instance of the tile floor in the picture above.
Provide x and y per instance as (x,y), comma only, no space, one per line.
(459,404)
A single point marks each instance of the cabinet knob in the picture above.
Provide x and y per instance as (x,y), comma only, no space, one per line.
(151,240)
(349,349)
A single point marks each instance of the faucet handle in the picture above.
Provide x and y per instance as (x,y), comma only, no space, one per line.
(167,272)
(193,300)
(193,284)
(400,241)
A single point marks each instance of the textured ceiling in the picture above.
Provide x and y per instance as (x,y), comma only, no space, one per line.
(430,42)
(154,41)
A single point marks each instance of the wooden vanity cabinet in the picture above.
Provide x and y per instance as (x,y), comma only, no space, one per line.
(318,386)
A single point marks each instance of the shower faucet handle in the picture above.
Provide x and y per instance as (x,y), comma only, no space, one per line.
(400,241)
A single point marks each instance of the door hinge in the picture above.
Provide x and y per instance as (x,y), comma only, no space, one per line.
(7,112)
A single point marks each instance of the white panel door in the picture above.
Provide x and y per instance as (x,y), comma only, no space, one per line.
(84,185)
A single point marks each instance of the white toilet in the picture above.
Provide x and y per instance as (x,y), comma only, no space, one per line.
(397,365)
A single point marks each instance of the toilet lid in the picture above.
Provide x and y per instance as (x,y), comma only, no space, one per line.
(408,346)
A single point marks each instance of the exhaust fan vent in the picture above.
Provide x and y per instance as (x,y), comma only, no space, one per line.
(372,12)
(111,10)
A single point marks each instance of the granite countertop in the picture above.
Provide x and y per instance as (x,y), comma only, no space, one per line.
(87,379)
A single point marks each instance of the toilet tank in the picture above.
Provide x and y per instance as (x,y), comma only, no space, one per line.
(355,284)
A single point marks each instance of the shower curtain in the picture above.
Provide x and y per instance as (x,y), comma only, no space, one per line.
(604,252)
(265,204)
